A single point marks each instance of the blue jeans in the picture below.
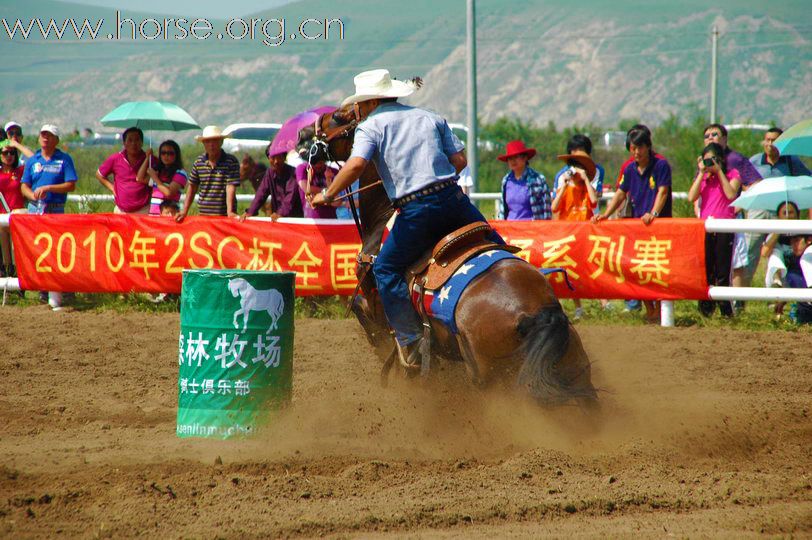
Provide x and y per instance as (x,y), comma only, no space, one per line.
(419,226)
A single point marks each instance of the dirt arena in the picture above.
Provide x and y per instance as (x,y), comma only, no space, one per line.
(705,433)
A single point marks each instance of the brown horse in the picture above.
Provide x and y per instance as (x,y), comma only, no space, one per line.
(511,326)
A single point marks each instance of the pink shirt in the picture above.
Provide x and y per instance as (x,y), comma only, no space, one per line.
(715,203)
(130,194)
(10,188)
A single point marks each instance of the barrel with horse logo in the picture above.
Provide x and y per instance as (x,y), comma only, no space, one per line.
(235,351)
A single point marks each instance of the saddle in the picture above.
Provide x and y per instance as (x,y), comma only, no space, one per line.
(434,268)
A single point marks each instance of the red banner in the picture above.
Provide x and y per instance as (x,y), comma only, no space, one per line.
(124,253)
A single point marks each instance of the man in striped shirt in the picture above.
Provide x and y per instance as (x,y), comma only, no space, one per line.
(215,175)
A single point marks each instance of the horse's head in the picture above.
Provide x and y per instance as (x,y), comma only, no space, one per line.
(331,138)
(234,285)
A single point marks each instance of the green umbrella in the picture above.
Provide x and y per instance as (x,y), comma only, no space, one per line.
(797,140)
(150,115)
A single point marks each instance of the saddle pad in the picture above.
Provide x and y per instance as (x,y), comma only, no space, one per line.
(442,303)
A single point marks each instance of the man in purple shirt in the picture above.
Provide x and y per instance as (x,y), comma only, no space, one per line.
(646,182)
(278,183)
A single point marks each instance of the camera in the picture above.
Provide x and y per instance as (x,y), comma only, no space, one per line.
(709,162)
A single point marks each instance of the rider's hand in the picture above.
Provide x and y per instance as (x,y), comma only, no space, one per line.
(316,199)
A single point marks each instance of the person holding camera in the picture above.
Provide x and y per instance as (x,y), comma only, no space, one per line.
(715,187)
(576,198)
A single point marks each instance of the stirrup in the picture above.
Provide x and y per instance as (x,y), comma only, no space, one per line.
(413,361)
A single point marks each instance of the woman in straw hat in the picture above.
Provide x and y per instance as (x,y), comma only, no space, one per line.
(419,160)
(525,194)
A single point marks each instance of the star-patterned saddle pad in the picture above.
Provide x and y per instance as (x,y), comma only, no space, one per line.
(442,303)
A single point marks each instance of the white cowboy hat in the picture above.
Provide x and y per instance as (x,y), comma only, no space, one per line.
(211,132)
(375,84)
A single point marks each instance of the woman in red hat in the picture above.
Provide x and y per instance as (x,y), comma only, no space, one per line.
(525,194)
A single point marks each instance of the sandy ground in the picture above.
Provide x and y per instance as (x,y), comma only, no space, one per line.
(703,433)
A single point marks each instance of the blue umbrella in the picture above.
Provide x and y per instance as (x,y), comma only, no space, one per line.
(770,192)
(797,140)
(150,115)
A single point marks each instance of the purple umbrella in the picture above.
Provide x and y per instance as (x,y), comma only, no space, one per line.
(287,137)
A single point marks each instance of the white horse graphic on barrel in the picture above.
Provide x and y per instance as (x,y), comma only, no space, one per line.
(251,299)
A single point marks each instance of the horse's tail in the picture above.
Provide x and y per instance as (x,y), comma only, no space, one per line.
(545,340)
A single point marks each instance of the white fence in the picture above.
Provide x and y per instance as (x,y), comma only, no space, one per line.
(667,312)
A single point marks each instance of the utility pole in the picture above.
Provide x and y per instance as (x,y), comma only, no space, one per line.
(714,71)
(473,159)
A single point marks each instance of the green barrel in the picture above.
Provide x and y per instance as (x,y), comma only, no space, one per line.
(235,351)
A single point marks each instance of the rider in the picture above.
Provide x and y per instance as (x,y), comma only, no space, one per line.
(419,160)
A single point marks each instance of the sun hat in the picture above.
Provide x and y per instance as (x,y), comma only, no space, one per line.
(375,84)
(50,128)
(211,132)
(10,125)
(583,160)
(516,148)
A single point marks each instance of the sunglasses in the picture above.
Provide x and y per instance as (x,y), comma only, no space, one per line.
(14,132)
(8,153)
(167,152)
(713,135)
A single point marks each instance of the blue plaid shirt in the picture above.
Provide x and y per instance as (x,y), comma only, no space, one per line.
(540,198)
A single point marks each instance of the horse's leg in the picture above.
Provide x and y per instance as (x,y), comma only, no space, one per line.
(246,312)
(237,314)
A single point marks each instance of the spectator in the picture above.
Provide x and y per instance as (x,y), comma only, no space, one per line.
(743,267)
(626,210)
(715,187)
(771,163)
(130,184)
(48,177)
(216,174)
(525,194)
(168,208)
(167,178)
(646,183)
(252,171)
(583,144)
(321,176)
(466,181)
(14,132)
(576,196)
(343,211)
(278,183)
(778,252)
(11,172)
(802,248)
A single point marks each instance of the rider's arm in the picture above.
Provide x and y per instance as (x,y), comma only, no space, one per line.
(458,160)
(346,176)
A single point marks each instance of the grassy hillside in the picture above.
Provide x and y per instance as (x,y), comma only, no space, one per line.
(593,62)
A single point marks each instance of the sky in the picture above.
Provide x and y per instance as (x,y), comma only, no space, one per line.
(194,8)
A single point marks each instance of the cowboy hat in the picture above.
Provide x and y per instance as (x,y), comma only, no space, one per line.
(376,84)
(516,148)
(211,132)
(583,160)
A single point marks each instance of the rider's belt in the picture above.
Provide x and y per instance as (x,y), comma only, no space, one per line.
(434,188)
